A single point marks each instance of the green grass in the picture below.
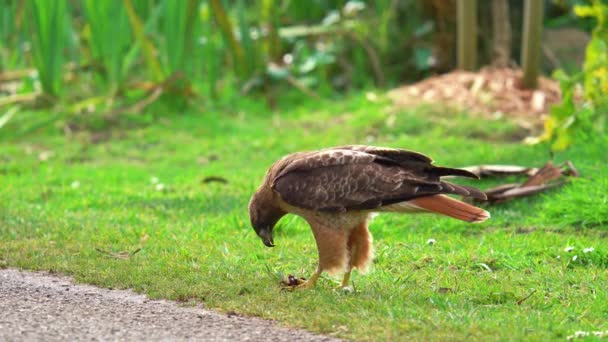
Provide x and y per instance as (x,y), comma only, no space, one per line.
(94,191)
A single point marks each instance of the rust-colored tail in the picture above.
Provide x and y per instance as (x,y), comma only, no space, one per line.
(448,206)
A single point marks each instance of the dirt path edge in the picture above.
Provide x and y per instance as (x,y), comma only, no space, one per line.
(49,307)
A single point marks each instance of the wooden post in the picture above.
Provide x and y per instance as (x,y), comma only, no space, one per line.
(467,34)
(502,33)
(531,42)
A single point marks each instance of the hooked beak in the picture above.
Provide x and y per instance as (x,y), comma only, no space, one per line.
(266,236)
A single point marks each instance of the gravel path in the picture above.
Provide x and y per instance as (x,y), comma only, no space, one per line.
(43,307)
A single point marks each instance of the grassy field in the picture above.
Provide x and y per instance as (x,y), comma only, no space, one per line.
(80,202)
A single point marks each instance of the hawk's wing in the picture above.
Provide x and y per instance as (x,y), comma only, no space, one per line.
(396,154)
(361,177)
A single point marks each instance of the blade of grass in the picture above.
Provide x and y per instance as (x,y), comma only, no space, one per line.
(212,45)
(154,14)
(110,38)
(250,50)
(146,44)
(7,32)
(236,49)
(177,29)
(270,19)
(48,27)
(8,115)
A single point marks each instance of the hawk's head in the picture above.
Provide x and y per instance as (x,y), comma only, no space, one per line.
(264,215)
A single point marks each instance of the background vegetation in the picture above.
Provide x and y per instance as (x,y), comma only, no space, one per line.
(120,56)
(216,48)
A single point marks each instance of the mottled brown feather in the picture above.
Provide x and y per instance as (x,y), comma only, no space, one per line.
(361,178)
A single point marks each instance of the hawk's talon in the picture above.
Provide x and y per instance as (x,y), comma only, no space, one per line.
(345,289)
(300,283)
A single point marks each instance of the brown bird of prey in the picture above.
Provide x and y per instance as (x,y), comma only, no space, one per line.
(336,190)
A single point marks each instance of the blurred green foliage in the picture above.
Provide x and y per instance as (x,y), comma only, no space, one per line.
(205,49)
(109,40)
(584,113)
(102,55)
(48,24)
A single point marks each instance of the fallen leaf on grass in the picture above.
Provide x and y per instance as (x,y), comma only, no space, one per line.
(539,180)
(139,106)
(118,255)
(216,179)
(521,191)
(519,302)
(500,170)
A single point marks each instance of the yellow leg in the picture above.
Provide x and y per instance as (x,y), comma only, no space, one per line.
(303,284)
(311,281)
(345,279)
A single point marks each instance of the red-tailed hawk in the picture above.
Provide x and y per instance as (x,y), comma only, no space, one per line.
(337,189)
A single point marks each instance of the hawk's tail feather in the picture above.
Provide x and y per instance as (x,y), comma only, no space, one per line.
(448,171)
(450,188)
(441,204)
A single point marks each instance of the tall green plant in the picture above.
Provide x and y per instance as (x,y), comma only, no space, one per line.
(8,33)
(596,59)
(210,53)
(109,39)
(48,23)
(570,117)
(139,32)
(236,49)
(178,27)
(252,50)
(270,19)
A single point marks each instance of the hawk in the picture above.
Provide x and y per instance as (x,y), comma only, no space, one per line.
(336,190)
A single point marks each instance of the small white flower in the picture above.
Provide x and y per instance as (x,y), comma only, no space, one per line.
(45,155)
(371,96)
(154,180)
(332,18)
(568,249)
(583,334)
(574,258)
(352,7)
(160,187)
(431,241)
(254,33)
(287,58)
(559,257)
(600,333)
(588,250)
(75,184)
